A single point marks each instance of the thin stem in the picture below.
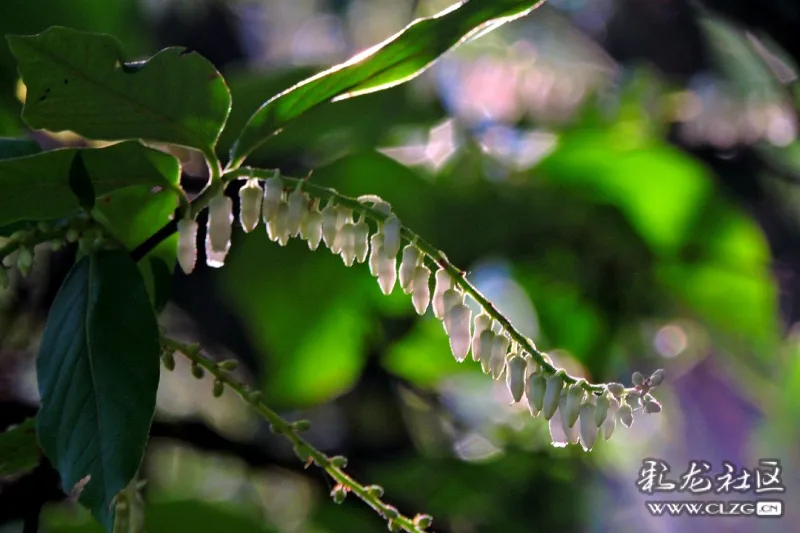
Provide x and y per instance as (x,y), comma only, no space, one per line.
(434,255)
(287,429)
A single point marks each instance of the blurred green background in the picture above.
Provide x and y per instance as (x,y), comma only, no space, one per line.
(621,177)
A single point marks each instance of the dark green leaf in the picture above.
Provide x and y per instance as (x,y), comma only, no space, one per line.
(79,81)
(80,182)
(38,187)
(18,148)
(394,61)
(98,370)
(19,450)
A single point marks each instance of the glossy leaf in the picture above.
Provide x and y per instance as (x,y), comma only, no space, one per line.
(19,449)
(98,370)
(18,148)
(80,81)
(39,187)
(396,60)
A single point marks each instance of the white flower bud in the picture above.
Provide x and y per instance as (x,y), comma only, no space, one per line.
(278,227)
(421,294)
(637,379)
(617,389)
(391,236)
(558,438)
(361,237)
(607,429)
(574,399)
(485,344)
(658,377)
(187,244)
(601,411)
(24,261)
(273,194)
(482,323)
(634,399)
(588,427)
(535,393)
(220,219)
(251,197)
(625,415)
(651,406)
(330,216)
(347,244)
(552,394)
(408,266)
(443,283)
(344,216)
(497,363)
(311,229)
(571,431)
(375,253)
(457,324)
(387,272)
(451,298)
(515,376)
(298,209)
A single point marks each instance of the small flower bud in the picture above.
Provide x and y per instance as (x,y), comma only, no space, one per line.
(601,411)
(361,239)
(607,429)
(376,491)
(168,360)
(347,244)
(482,323)
(311,229)
(219,388)
(617,389)
(339,461)
(72,235)
(56,245)
(273,194)
(657,378)
(421,294)
(251,197)
(571,432)
(339,493)
(551,395)
(572,409)
(301,426)
(391,236)
(330,216)
(633,399)
(457,323)
(228,365)
(297,203)
(558,438)
(197,371)
(497,363)
(19,236)
(254,396)
(651,406)
(278,227)
(535,393)
(443,283)
(451,298)
(423,521)
(515,376)
(218,230)
(638,379)
(187,244)
(408,266)
(485,345)
(588,426)
(391,512)
(375,253)
(25,261)
(625,415)
(387,273)
(394,526)
(344,216)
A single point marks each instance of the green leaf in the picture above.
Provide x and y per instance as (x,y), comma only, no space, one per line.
(79,81)
(396,60)
(18,148)
(40,187)
(132,215)
(19,449)
(98,370)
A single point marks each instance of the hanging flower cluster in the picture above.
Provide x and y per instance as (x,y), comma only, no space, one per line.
(577,411)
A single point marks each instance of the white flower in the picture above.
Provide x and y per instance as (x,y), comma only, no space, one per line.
(391,236)
(218,230)
(250,198)
(482,323)
(278,228)
(570,430)
(485,344)
(311,228)
(330,216)
(375,254)
(574,399)
(552,395)
(457,322)
(361,238)
(421,294)
(273,194)
(347,243)
(344,216)
(535,393)
(625,415)
(497,363)
(515,376)
(408,266)
(187,244)
(588,427)
(443,283)
(601,410)
(607,429)
(451,298)
(558,438)
(298,209)
(387,272)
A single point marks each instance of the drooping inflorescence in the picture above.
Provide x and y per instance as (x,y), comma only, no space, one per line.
(577,411)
